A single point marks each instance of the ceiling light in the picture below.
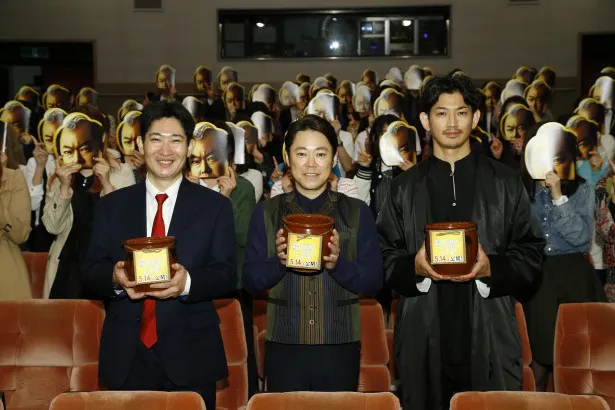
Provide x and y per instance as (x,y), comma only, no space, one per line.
(335,45)
(260,24)
(406,23)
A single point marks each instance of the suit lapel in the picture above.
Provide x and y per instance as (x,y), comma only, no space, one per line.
(181,212)
(137,213)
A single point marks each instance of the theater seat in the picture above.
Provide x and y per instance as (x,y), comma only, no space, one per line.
(128,401)
(36,262)
(259,317)
(324,401)
(529,383)
(526,401)
(584,357)
(374,374)
(234,393)
(48,347)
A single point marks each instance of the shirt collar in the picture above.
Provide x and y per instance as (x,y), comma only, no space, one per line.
(460,165)
(171,191)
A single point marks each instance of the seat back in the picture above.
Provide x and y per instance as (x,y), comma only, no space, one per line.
(584,350)
(529,382)
(36,262)
(233,394)
(48,347)
(525,400)
(374,374)
(324,401)
(128,400)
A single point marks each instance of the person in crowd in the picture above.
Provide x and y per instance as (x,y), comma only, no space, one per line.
(313,320)
(14,225)
(168,338)
(459,333)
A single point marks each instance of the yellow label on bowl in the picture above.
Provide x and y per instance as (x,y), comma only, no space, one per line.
(447,247)
(304,251)
(152,265)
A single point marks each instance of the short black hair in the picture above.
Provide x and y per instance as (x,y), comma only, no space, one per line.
(449,84)
(167,109)
(311,123)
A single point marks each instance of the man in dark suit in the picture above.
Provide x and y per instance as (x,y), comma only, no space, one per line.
(168,339)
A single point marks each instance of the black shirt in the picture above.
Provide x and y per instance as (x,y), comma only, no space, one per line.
(451,198)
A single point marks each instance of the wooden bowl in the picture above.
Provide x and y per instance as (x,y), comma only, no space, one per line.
(452,247)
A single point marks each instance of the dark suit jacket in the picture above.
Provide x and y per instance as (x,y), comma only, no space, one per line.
(189,340)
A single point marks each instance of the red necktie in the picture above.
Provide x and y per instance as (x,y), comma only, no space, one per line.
(148,333)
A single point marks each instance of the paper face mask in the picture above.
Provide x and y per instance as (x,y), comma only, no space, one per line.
(512,88)
(586,132)
(325,105)
(264,125)
(57,97)
(16,114)
(346,91)
(128,105)
(552,149)
(362,98)
(320,83)
(389,102)
(398,144)
(202,79)
(233,98)
(395,75)
(289,94)
(239,135)
(87,95)
(547,74)
(226,76)
(165,77)
(78,140)
(47,127)
(195,107)
(515,124)
(9,137)
(208,158)
(414,77)
(251,135)
(370,78)
(127,133)
(265,94)
(604,91)
(29,95)
(525,74)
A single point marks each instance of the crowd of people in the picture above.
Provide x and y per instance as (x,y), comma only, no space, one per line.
(221,169)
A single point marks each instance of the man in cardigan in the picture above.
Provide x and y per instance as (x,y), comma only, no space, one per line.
(313,320)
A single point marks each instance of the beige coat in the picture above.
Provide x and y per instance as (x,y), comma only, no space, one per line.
(14,230)
(58,219)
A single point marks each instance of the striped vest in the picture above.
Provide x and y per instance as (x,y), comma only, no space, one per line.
(314,309)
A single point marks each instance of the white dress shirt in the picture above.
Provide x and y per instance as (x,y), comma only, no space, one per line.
(151,207)
(483,288)
(37,192)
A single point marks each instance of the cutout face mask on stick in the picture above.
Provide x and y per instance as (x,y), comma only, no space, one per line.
(194,107)
(47,127)
(389,102)
(202,79)
(414,77)
(239,135)
(226,76)
(208,158)
(87,95)
(165,77)
(29,95)
(604,91)
(16,114)
(264,125)
(398,144)
(57,97)
(128,131)
(289,94)
(325,105)
(265,94)
(127,106)
(553,148)
(362,98)
(78,140)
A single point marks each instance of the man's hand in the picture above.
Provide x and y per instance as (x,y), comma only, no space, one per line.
(288,184)
(406,165)
(334,246)
(40,156)
(280,246)
(119,277)
(277,174)
(65,175)
(172,288)
(552,181)
(595,161)
(136,160)
(101,170)
(481,269)
(423,268)
(497,148)
(227,184)
(365,158)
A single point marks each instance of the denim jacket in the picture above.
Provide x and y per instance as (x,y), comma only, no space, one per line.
(567,228)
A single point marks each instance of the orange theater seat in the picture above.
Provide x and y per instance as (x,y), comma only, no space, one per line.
(374,374)
(324,401)
(529,383)
(36,262)
(234,393)
(584,356)
(48,347)
(128,400)
(526,401)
